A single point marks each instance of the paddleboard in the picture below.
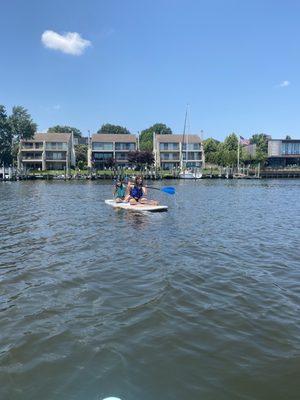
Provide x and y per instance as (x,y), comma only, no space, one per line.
(136,207)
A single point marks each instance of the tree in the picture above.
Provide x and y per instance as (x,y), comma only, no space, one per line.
(17,126)
(210,149)
(139,158)
(110,163)
(6,138)
(65,129)
(146,137)
(113,129)
(81,154)
(146,158)
(261,141)
(21,124)
(132,157)
(231,142)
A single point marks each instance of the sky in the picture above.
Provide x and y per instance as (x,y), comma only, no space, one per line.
(138,62)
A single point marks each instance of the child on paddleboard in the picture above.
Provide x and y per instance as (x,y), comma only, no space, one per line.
(120,191)
(138,192)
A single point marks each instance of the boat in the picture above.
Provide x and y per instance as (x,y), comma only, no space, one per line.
(186,172)
(136,207)
(189,174)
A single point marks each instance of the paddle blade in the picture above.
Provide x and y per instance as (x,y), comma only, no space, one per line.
(168,189)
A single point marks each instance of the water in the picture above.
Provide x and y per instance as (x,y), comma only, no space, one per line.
(202,302)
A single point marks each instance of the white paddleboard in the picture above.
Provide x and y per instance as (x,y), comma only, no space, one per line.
(136,207)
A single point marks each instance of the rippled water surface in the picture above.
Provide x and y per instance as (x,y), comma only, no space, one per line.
(202,302)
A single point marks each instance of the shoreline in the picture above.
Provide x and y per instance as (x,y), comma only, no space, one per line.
(111,176)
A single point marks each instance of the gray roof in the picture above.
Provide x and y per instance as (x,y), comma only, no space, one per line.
(107,137)
(50,137)
(178,138)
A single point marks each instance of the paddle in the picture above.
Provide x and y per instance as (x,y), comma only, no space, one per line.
(165,189)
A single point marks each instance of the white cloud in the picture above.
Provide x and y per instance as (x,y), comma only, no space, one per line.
(284,84)
(69,42)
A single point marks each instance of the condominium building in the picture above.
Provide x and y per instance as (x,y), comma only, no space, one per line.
(47,151)
(105,148)
(285,152)
(178,151)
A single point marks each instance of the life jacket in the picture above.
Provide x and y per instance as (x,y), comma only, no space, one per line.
(136,192)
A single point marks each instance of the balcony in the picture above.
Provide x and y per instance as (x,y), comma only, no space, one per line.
(125,147)
(102,146)
(56,146)
(170,156)
(32,146)
(169,147)
(56,156)
(31,156)
(31,160)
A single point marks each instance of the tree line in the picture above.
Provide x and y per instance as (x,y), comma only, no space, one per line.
(225,153)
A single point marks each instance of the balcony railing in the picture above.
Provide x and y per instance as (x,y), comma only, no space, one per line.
(32,148)
(49,158)
(31,159)
(32,156)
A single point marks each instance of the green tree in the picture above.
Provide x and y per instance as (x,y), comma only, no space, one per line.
(6,138)
(21,123)
(65,129)
(225,157)
(224,154)
(17,126)
(231,142)
(81,154)
(210,149)
(113,129)
(261,141)
(146,137)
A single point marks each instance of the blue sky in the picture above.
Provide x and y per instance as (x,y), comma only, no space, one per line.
(236,63)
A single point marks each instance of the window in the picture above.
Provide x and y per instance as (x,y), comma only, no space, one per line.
(192,155)
(102,146)
(55,155)
(169,146)
(121,156)
(56,146)
(102,156)
(191,146)
(290,148)
(169,166)
(170,156)
(125,146)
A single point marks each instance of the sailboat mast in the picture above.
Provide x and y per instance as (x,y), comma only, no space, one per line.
(184,138)
(238,156)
